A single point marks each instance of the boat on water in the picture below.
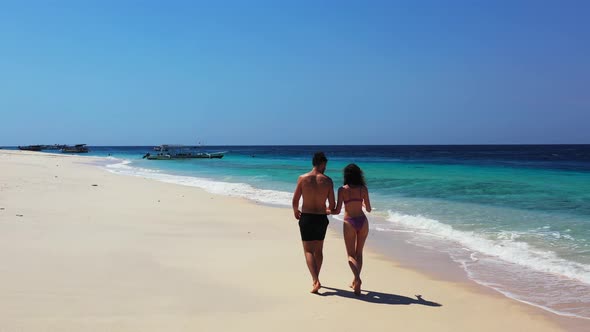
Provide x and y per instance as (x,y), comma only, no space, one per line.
(171,152)
(53,147)
(78,148)
(31,147)
(40,147)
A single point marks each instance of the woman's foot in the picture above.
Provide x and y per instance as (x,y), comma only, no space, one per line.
(356,285)
(316,287)
(352,283)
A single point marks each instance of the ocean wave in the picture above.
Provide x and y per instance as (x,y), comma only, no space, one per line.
(505,246)
(233,189)
(122,166)
(503,262)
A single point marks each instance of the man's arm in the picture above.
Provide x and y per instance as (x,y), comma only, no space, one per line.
(339,204)
(331,200)
(296,197)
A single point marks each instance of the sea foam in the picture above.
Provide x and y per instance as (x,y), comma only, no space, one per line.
(505,246)
(502,262)
(242,190)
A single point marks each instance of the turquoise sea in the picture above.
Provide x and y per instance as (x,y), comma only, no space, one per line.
(515,218)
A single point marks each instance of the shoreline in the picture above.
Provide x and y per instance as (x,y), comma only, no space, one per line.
(439,265)
(403,253)
(373,254)
(450,269)
(401,248)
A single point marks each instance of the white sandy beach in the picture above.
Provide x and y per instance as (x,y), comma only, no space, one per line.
(133,254)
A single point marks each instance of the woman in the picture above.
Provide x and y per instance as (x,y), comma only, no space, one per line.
(354,194)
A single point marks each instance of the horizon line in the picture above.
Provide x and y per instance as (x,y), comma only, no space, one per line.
(244,145)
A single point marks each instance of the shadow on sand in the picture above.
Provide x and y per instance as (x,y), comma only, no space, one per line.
(376,297)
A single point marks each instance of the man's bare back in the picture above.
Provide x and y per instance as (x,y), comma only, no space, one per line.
(316,189)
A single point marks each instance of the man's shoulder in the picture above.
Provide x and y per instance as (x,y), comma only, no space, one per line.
(326,178)
(304,175)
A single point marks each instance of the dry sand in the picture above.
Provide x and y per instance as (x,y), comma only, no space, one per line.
(133,254)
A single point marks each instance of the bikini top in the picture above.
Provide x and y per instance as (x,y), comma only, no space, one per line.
(355,199)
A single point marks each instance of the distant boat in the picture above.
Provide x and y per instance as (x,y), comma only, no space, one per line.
(170,152)
(42,147)
(78,148)
(53,147)
(31,148)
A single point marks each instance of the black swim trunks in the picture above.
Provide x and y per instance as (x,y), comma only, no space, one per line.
(313,226)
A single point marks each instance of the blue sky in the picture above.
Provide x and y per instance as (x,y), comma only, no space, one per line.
(294,72)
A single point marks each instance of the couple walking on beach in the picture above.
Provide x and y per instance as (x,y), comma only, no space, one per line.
(317,188)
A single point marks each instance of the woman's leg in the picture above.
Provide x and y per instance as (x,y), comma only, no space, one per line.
(360,244)
(350,241)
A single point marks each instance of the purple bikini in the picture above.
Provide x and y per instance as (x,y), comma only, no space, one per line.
(359,221)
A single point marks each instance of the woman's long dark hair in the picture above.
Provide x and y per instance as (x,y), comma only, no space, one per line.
(353,175)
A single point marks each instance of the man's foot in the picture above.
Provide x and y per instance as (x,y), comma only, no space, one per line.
(316,287)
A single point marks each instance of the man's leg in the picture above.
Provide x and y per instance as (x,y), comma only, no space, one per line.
(319,256)
(309,249)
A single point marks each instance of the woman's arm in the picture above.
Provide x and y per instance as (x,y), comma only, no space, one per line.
(339,204)
(366,200)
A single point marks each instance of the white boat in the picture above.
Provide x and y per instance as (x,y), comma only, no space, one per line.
(170,152)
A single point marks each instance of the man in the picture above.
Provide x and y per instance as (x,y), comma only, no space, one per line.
(316,188)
